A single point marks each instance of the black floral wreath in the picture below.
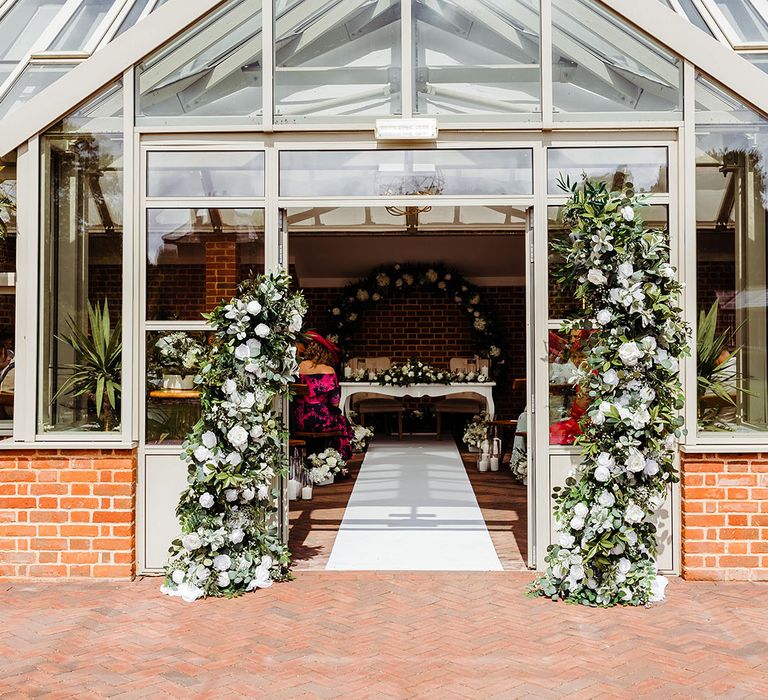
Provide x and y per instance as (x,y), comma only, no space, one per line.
(400,278)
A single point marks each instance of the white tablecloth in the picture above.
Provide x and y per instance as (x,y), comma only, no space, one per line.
(484,390)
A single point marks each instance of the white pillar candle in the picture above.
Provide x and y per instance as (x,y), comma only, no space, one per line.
(306,493)
(494,464)
(347,372)
(371,375)
(294,489)
(484,370)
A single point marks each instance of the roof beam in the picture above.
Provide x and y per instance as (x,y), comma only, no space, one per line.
(105,66)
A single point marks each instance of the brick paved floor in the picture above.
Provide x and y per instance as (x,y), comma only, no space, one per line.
(502,500)
(365,635)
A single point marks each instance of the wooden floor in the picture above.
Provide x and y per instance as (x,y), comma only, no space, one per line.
(503,502)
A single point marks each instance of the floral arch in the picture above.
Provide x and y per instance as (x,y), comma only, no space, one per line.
(390,281)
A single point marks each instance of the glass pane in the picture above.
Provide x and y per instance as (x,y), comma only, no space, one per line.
(205,174)
(567,404)
(759,60)
(694,16)
(561,300)
(429,172)
(745,20)
(601,68)
(23,24)
(78,30)
(645,167)
(81,267)
(197,257)
(7,299)
(103,113)
(336,58)
(477,57)
(211,70)
(33,79)
(732,263)
(173,401)
(133,16)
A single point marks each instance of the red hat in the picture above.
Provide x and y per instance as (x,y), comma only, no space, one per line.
(315,337)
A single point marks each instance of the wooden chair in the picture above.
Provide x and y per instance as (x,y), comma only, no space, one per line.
(368,403)
(466,402)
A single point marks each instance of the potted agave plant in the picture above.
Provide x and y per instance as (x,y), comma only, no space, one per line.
(97,373)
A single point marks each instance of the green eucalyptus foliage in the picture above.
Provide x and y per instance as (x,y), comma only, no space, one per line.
(97,373)
(605,547)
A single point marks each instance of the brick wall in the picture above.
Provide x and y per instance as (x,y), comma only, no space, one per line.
(426,325)
(68,513)
(713,277)
(725,517)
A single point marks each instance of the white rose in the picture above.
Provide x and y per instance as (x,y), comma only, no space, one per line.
(234,458)
(209,439)
(331,462)
(177,576)
(253,307)
(567,540)
(263,492)
(262,330)
(202,573)
(634,513)
(191,542)
(238,437)
(628,213)
(604,317)
(295,325)
(576,572)
(241,352)
(581,510)
(629,353)
(206,500)
(635,460)
(223,579)
(651,467)
(249,494)
(230,495)
(230,386)
(625,270)
(611,378)
(202,453)
(257,431)
(602,474)
(222,562)
(606,499)
(236,536)
(254,347)
(598,418)
(624,565)
(596,277)
(577,523)
(189,592)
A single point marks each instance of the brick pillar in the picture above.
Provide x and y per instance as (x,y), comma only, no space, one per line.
(221,270)
(725,517)
(68,513)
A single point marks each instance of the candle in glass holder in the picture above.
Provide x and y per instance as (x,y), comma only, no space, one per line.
(484,370)
(306,493)
(347,372)
(371,375)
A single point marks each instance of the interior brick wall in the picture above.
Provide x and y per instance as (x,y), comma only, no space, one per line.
(713,276)
(68,513)
(725,517)
(426,325)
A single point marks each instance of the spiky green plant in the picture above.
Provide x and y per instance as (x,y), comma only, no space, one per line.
(713,375)
(97,373)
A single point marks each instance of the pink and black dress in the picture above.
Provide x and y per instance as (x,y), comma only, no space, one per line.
(319,412)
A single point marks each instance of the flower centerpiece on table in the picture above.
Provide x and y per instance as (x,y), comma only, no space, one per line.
(413,372)
(323,466)
(476,431)
(178,357)
(470,377)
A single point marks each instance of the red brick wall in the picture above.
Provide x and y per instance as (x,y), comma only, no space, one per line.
(725,517)
(428,326)
(68,513)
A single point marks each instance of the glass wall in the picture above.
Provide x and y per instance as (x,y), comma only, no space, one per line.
(479,57)
(8,235)
(731,263)
(81,269)
(335,58)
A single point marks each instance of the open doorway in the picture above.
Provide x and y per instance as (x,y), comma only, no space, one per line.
(442,275)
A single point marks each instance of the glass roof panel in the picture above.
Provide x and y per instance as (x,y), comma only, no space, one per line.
(78,30)
(747,19)
(33,79)
(23,24)
(691,12)
(133,16)
(211,70)
(602,67)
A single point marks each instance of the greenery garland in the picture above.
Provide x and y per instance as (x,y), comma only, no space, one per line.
(392,280)
(229,543)
(606,545)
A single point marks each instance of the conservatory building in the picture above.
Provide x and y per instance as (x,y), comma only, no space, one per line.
(155,154)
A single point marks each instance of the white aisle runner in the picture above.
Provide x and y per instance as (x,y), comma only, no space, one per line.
(413,509)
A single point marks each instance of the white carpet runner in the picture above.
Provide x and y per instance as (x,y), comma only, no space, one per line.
(413,509)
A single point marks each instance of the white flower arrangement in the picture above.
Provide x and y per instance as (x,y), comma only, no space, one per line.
(413,372)
(605,552)
(471,377)
(178,353)
(361,437)
(229,544)
(476,431)
(322,465)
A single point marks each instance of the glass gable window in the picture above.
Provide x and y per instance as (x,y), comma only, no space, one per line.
(731,263)
(205,174)
(604,70)
(23,24)
(33,79)
(78,30)
(477,57)
(213,69)
(406,173)
(336,59)
(81,275)
(746,19)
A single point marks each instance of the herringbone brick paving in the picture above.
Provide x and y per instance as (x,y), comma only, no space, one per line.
(366,635)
